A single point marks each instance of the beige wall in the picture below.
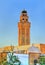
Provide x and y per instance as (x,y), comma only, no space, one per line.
(25,47)
(32,57)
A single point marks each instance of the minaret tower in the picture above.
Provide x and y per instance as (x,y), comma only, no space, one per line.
(23,29)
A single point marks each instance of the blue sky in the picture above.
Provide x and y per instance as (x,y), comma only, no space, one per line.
(10,11)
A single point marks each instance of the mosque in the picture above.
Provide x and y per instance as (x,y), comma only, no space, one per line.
(24,36)
(24,44)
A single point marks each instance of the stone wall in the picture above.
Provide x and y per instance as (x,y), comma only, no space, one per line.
(32,57)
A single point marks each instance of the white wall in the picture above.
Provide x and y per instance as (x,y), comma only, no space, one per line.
(22,57)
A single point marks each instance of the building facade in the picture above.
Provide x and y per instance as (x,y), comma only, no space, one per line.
(23,29)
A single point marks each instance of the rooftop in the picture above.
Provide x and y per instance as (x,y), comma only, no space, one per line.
(34,49)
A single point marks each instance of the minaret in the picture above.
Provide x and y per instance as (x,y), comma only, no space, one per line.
(23,29)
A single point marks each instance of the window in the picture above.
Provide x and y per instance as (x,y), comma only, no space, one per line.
(23,14)
(26,19)
(23,19)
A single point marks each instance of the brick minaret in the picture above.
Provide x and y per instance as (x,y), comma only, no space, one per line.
(23,29)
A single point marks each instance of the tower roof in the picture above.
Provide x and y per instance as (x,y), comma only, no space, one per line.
(24,11)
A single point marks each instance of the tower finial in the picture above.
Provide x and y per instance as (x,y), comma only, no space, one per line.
(24,11)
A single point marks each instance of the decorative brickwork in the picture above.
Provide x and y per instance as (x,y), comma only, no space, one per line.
(24,29)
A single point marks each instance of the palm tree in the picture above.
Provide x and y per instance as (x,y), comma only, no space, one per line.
(13,60)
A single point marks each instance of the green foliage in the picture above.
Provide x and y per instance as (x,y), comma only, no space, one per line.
(13,60)
(42,60)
